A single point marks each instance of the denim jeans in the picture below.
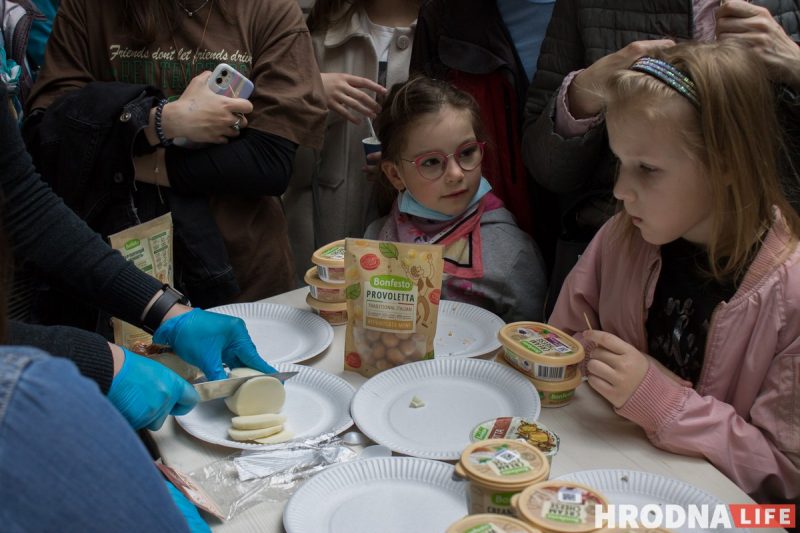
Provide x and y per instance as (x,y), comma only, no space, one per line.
(68,460)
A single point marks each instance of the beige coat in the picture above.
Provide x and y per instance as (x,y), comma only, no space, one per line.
(329,197)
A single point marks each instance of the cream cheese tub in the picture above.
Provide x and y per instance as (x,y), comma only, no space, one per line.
(508,427)
(334,313)
(540,351)
(330,262)
(322,290)
(559,506)
(490,523)
(551,393)
(496,470)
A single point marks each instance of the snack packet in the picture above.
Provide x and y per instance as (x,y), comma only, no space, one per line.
(392,294)
(149,247)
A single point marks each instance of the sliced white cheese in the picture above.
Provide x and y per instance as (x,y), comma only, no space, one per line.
(253,434)
(283,436)
(266,420)
(416,403)
(243,372)
(257,396)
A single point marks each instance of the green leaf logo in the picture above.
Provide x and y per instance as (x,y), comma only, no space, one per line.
(353,291)
(389,250)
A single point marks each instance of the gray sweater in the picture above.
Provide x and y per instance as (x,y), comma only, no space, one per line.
(514,282)
(59,245)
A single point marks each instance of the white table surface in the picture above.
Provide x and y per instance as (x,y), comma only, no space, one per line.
(592,436)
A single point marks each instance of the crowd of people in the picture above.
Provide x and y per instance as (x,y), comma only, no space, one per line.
(633,164)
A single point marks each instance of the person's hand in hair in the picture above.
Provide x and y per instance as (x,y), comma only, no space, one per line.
(202,116)
(755,27)
(145,391)
(345,95)
(585,97)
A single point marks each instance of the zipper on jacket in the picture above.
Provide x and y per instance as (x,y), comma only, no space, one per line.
(644,301)
(706,359)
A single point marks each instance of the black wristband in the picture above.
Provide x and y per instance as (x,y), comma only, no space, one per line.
(152,320)
(162,139)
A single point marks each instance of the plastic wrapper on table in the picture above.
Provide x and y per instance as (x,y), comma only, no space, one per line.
(245,479)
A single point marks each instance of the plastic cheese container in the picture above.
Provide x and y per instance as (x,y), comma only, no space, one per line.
(507,427)
(334,313)
(551,393)
(497,469)
(490,523)
(540,351)
(559,506)
(322,290)
(329,261)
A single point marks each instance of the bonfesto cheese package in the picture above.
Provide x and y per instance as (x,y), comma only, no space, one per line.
(392,292)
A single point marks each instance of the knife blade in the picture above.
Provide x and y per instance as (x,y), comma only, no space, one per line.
(222,388)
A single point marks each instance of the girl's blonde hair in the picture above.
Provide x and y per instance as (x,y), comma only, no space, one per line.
(734,134)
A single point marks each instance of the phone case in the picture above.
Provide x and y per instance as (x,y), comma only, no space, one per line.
(227,81)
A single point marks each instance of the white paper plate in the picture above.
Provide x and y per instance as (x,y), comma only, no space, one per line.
(386,495)
(316,403)
(282,334)
(643,488)
(458,394)
(465,330)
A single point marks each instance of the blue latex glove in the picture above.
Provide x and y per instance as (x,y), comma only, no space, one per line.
(145,392)
(207,340)
(188,510)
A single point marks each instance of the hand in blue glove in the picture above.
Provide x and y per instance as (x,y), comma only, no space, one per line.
(188,510)
(207,340)
(145,392)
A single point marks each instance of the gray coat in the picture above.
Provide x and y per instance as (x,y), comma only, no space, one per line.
(514,281)
(580,33)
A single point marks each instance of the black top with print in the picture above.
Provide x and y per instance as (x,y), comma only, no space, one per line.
(678,321)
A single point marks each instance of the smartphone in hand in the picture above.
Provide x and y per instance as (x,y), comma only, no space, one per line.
(227,81)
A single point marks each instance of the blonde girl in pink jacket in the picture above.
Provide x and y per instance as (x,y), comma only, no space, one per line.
(694,287)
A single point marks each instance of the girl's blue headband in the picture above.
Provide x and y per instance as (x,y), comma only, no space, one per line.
(670,75)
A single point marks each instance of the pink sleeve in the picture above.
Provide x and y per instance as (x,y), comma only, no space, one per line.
(581,290)
(678,419)
(565,124)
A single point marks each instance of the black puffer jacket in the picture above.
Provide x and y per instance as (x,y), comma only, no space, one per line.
(580,33)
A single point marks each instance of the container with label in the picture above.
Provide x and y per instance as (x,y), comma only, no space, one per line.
(559,506)
(540,351)
(551,393)
(334,313)
(490,523)
(322,290)
(330,262)
(497,469)
(508,427)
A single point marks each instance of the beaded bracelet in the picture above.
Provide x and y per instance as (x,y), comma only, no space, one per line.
(162,139)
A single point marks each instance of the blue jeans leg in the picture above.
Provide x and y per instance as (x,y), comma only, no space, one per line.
(68,460)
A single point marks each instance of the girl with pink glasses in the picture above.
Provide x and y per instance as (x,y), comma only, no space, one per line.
(432,148)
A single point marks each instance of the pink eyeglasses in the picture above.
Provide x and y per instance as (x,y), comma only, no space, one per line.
(432,165)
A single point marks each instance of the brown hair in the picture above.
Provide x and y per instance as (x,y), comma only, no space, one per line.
(734,135)
(409,101)
(149,20)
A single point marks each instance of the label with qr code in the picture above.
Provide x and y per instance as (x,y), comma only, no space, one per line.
(570,495)
(509,463)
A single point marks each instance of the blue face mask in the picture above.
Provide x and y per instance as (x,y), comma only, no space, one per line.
(410,206)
